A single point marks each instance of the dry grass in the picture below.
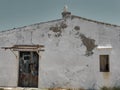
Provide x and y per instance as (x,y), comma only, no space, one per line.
(66,89)
(110,88)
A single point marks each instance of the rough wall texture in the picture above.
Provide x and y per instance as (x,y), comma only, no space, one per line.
(71,57)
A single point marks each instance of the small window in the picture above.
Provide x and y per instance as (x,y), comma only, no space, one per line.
(104,63)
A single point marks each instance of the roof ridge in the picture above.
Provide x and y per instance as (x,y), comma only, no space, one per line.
(95,21)
(29,25)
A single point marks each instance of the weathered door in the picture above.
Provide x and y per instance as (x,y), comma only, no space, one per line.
(28,69)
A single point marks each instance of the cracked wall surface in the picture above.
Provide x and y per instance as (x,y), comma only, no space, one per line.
(71,57)
(89,44)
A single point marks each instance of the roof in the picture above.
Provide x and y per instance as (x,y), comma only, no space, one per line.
(72,17)
(98,22)
(31,25)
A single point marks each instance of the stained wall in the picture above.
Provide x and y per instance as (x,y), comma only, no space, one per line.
(71,56)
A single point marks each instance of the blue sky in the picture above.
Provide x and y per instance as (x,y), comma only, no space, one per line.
(18,13)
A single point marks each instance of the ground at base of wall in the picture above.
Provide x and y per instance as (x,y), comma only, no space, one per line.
(19,88)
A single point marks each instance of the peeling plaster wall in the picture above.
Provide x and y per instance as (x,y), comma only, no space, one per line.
(68,61)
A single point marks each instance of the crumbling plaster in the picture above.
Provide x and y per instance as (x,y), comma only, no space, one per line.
(64,62)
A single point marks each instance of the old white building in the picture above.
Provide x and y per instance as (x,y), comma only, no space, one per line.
(72,52)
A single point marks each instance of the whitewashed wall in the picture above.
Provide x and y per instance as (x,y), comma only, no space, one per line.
(64,63)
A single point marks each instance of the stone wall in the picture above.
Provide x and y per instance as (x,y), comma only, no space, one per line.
(71,57)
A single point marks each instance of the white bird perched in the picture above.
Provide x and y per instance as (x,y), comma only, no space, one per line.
(65,8)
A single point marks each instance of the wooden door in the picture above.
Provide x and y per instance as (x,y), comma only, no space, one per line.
(28,69)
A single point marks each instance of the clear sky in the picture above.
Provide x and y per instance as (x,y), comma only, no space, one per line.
(18,13)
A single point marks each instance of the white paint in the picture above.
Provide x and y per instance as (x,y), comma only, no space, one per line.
(63,63)
(104,47)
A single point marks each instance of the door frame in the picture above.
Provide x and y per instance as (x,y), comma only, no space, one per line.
(19,67)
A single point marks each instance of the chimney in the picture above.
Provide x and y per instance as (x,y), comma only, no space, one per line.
(65,12)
